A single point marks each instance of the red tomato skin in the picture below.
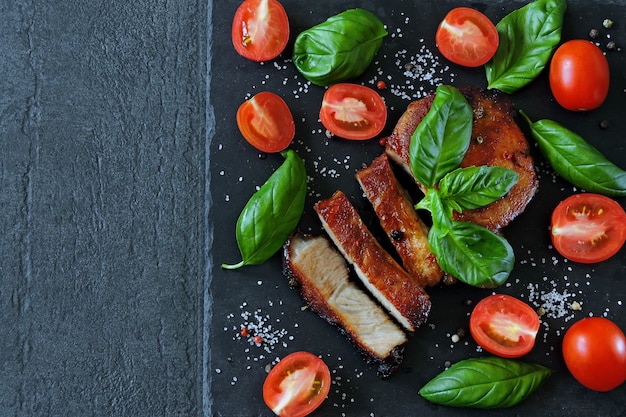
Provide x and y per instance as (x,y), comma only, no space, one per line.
(288,365)
(272,35)
(579,75)
(588,213)
(467,37)
(514,313)
(356,101)
(266,108)
(594,350)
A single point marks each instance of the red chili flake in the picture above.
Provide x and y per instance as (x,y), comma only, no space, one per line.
(383,141)
(381,85)
(244,331)
(258,340)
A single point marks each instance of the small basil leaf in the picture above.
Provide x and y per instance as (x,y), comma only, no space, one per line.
(488,382)
(472,254)
(432,202)
(528,37)
(272,213)
(473,187)
(440,141)
(576,160)
(339,49)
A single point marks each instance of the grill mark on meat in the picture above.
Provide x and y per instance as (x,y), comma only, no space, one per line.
(496,141)
(406,230)
(322,278)
(380,273)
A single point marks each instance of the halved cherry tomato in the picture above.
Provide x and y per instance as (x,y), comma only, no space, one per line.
(353,111)
(260,29)
(579,75)
(588,228)
(467,37)
(297,385)
(594,350)
(266,122)
(504,325)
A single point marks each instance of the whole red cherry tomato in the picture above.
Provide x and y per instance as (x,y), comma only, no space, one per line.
(594,350)
(579,75)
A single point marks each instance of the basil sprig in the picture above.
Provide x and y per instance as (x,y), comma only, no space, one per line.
(528,37)
(469,252)
(339,49)
(576,160)
(272,213)
(488,382)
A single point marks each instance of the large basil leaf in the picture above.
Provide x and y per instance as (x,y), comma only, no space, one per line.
(473,187)
(440,141)
(488,382)
(528,37)
(272,213)
(576,160)
(472,253)
(339,49)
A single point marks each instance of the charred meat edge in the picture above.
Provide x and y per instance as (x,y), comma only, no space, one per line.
(321,276)
(391,285)
(406,231)
(496,141)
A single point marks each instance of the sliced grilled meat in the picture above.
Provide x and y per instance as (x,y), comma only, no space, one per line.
(406,230)
(322,278)
(391,285)
(496,140)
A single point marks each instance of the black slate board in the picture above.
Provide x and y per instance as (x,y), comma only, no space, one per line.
(115,223)
(102,207)
(259,296)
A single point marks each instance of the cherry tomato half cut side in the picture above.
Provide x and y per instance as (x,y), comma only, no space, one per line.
(297,385)
(594,350)
(266,122)
(353,111)
(504,325)
(467,37)
(588,228)
(579,75)
(260,29)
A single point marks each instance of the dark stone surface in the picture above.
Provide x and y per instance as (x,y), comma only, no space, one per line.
(102,137)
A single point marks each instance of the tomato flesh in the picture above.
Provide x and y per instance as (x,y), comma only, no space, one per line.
(297,385)
(579,75)
(588,228)
(504,326)
(467,37)
(265,121)
(260,29)
(594,350)
(353,111)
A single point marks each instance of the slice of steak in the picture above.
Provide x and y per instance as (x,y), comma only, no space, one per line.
(405,229)
(391,285)
(321,276)
(496,141)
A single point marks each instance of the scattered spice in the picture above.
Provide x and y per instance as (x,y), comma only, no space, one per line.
(607,23)
(594,33)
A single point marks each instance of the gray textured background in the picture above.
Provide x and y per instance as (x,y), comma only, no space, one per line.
(102,195)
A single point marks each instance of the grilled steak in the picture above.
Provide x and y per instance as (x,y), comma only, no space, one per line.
(406,230)
(391,285)
(322,278)
(496,140)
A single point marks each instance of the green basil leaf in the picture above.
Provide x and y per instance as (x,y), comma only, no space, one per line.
(528,38)
(473,187)
(488,382)
(432,202)
(472,253)
(339,49)
(272,213)
(576,160)
(440,141)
